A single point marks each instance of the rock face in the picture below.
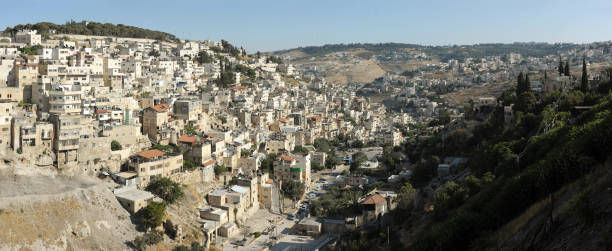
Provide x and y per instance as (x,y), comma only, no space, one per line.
(41,210)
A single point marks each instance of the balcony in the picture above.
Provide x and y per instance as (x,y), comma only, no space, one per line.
(64,145)
(64,110)
(65,102)
(64,92)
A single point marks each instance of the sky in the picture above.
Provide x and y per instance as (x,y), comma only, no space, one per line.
(282,24)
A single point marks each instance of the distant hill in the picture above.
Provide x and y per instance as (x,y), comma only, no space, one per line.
(443,52)
(364,62)
(93,28)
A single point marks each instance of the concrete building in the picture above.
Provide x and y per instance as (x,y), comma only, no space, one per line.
(133,199)
(155,163)
(153,120)
(29,37)
(291,167)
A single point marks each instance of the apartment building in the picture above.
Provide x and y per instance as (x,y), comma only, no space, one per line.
(155,163)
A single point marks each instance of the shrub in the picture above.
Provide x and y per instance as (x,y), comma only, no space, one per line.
(220,169)
(151,238)
(116,146)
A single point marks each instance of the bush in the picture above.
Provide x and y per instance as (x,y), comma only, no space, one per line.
(147,239)
(195,246)
(316,166)
(220,169)
(189,165)
(166,189)
(116,146)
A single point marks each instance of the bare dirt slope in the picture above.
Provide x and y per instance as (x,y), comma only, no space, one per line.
(461,97)
(41,210)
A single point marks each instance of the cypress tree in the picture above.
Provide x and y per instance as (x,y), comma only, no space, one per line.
(566,71)
(584,83)
(519,84)
(526,84)
(561,70)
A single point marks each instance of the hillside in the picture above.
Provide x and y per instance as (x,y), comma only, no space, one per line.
(41,210)
(501,199)
(362,63)
(93,28)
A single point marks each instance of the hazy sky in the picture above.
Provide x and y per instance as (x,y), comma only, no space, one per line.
(282,24)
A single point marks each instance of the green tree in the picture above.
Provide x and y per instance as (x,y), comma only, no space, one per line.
(293,189)
(300,150)
(152,215)
(358,159)
(116,146)
(407,196)
(561,68)
(154,53)
(566,71)
(204,58)
(166,189)
(584,81)
(449,196)
(523,84)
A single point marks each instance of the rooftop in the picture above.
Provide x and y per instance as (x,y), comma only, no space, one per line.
(133,194)
(374,199)
(160,107)
(286,157)
(149,154)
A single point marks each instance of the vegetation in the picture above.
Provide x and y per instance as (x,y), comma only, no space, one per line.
(204,58)
(166,189)
(230,49)
(316,166)
(195,246)
(189,130)
(167,148)
(220,169)
(152,215)
(337,203)
(32,50)
(300,150)
(293,189)
(267,164)
(150,238)
(116,146)
(189,165)
(358,159)
(154,53)
(93,28)
(246,71)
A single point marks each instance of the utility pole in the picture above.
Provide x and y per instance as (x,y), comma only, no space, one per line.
(387,236)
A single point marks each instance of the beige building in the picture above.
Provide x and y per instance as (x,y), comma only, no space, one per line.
(6,112)
(195,149)
(293,167)
(67,131)
(94,149)
(155,163)
(133,199)
(154,119)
